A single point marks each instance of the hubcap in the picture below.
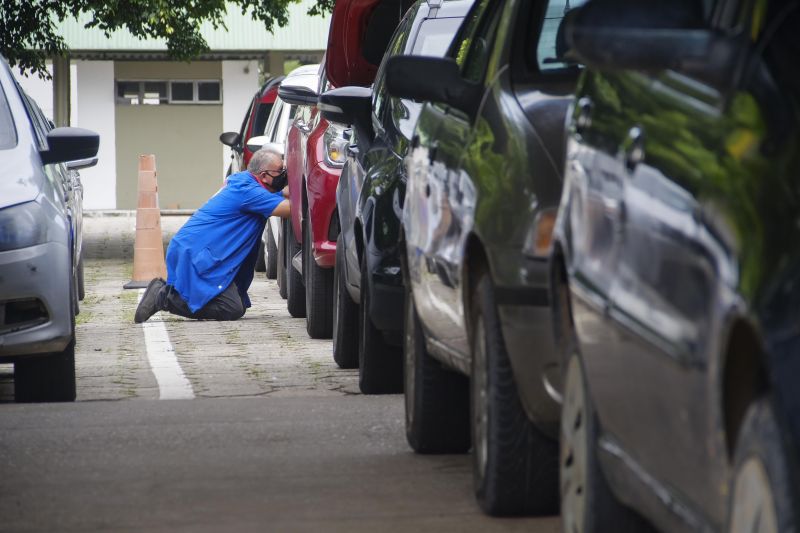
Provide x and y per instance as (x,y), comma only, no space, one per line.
(573,453)
(480,401)
(409,356)
(753,501)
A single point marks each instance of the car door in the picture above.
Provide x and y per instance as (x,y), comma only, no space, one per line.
(442,309)
(677,154)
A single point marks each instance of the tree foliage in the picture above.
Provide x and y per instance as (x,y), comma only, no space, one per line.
(29,28)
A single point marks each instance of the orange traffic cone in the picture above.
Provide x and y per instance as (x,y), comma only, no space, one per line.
(148,249)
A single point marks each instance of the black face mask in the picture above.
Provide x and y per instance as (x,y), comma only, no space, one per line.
(279,181)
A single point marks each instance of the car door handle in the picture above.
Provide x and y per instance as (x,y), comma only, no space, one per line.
(432,151)
(583,114)
(634,148)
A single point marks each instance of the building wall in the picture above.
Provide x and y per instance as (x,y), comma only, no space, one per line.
(96,111)
(184,138)
(239,82)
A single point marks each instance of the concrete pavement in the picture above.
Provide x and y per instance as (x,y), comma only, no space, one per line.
(277,438)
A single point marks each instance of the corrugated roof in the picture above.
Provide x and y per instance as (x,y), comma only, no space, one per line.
(303,32)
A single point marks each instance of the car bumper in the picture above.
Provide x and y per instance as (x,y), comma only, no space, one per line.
(40,274)
(387,294)
(321,190)
(526,319)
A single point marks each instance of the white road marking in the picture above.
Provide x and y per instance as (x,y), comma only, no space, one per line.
(172,382)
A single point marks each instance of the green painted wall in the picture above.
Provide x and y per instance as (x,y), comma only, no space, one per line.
(184,139)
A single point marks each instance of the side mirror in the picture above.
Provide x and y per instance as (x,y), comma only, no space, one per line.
(70,144)
(254,144)
(349,105)
(82,163)
(599,38)
(297,95)
(431,79)
(230,138)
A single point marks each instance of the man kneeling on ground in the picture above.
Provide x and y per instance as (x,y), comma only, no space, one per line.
(210,261)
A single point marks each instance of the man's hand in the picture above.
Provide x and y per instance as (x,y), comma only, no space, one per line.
(285,192)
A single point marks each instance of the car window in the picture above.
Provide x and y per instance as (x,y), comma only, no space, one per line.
(550,47)
(396,46)
(260,122)
(243,129)
(435,36)
(472,47)
(275,112)
(8,133)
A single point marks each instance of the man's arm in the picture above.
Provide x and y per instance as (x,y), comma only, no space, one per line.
(283,210)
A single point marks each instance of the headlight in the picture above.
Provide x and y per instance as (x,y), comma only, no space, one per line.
(335,146)
(21,226)
(539,240)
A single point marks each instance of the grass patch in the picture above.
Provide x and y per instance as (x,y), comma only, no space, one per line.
(84,318)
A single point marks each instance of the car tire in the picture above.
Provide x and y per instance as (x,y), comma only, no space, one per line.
(261,265)
(380,365)
(46,378)
(760,490)
(295,291)
(318,289)
(436,399)
(81,282)
(282,260)
(515,465)
(345,314)
(587,503)
(271,258)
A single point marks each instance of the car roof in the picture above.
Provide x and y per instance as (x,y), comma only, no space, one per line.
(305,76)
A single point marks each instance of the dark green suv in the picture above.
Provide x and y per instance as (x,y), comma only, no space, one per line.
(484,183)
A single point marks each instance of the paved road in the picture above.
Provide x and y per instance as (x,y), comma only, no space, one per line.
(275,437)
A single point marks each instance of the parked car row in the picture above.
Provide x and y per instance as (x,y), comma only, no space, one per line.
(41,259)
(565,229)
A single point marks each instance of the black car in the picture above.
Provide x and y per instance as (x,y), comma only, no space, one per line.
(678,268)
(484,184)
(368,299)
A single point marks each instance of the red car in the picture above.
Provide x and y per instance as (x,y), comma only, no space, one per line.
(359,33)
(255,120)
(314,160)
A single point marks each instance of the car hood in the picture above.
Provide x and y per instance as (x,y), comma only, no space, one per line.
(19,183)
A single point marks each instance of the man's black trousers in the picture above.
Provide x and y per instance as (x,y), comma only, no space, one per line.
(225,306)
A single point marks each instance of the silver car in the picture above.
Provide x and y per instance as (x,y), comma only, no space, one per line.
(40,244)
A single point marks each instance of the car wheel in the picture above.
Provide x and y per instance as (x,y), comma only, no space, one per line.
(380,365)
(760,498)
(515,466)
(587,503)
(345,315)
(295,291)
(319,290)
(81,284)
(261,265)
(271,258)
(282,260)
(46,378)
(436,399)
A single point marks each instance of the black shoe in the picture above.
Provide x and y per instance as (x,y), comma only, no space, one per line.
(149,304)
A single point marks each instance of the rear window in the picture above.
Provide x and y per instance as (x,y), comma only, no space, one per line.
(8,134)
(435,36)
(549,49)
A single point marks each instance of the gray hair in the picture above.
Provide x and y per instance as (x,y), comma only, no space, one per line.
(262,158)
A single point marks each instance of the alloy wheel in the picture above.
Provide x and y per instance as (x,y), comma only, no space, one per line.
(753,501)
(480,401)
(409,361)
(573,454)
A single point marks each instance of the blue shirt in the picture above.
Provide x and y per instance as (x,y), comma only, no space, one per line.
(219,243)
